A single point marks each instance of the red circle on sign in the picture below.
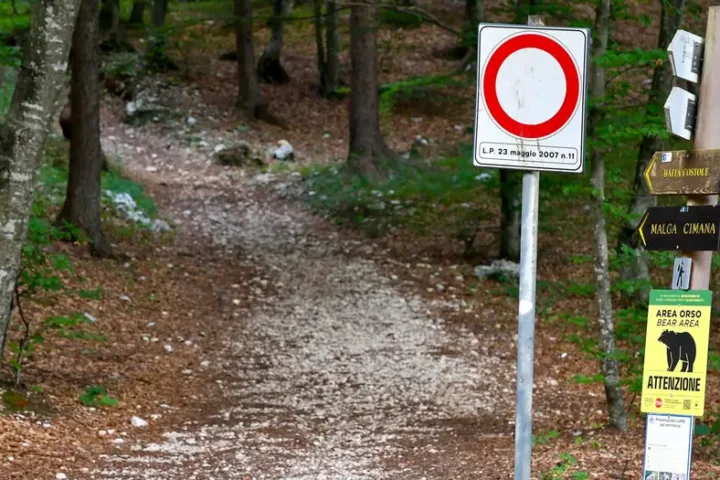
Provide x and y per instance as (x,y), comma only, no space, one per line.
(572,82)
(658,402)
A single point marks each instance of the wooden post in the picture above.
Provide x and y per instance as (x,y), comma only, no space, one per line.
(707,134)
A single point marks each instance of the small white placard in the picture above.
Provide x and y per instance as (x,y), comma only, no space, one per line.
(685,52)
(668,445)
(680,109)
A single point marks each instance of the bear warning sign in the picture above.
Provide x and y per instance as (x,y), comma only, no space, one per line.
(676,350)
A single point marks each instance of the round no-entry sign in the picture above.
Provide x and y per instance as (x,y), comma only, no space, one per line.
(539,68)
(531,101)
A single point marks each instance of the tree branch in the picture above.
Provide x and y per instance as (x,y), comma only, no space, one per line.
(413,10)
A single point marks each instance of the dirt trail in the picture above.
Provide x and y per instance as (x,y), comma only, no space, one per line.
(335,372)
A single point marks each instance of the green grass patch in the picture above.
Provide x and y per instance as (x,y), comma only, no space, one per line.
(115,182)
(11,22)
(450,194)
(53,184)
(13,27)
(97,396)
(212,10)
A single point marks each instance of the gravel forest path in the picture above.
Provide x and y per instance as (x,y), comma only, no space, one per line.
(336,370)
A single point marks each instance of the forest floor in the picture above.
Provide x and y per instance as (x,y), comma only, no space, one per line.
(262,341)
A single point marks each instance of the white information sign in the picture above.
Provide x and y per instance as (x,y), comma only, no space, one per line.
(668,447)
(680,111)
(685,52)
(531,101)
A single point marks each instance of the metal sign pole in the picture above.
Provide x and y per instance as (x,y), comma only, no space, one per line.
(526,324)
(526,316)
(509,136)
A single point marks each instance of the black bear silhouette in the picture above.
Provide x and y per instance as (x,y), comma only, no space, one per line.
(680,347)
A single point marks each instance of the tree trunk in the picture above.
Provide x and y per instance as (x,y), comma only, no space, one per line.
(320,45)
(157,58)
(270,69)
(82,203)
(368,153)
(65,121)
(137,16)
(106,15)
(637,270)
(158,13)
(609,364)
(474,12)
(249,98)
(333,48)
(23,135)
(510,203)
(511,197)
(115,21)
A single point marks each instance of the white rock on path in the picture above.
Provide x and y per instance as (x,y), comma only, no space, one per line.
(498,267)
(138,422)
(284,151)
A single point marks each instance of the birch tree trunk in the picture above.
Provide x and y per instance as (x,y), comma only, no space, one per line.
(637,270)
(82,202)
(609,364)
(23,135)
(269,67)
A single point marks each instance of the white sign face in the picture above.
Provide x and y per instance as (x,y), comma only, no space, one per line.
(531,100)
(668,447)
(680,109)
(685,52)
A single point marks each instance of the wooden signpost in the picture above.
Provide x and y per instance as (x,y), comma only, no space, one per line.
(694,230)
(693,172)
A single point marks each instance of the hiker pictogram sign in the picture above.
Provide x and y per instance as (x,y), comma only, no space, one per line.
(676,351)
(530,108)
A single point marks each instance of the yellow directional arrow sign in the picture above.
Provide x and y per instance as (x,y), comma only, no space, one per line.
(693,172)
